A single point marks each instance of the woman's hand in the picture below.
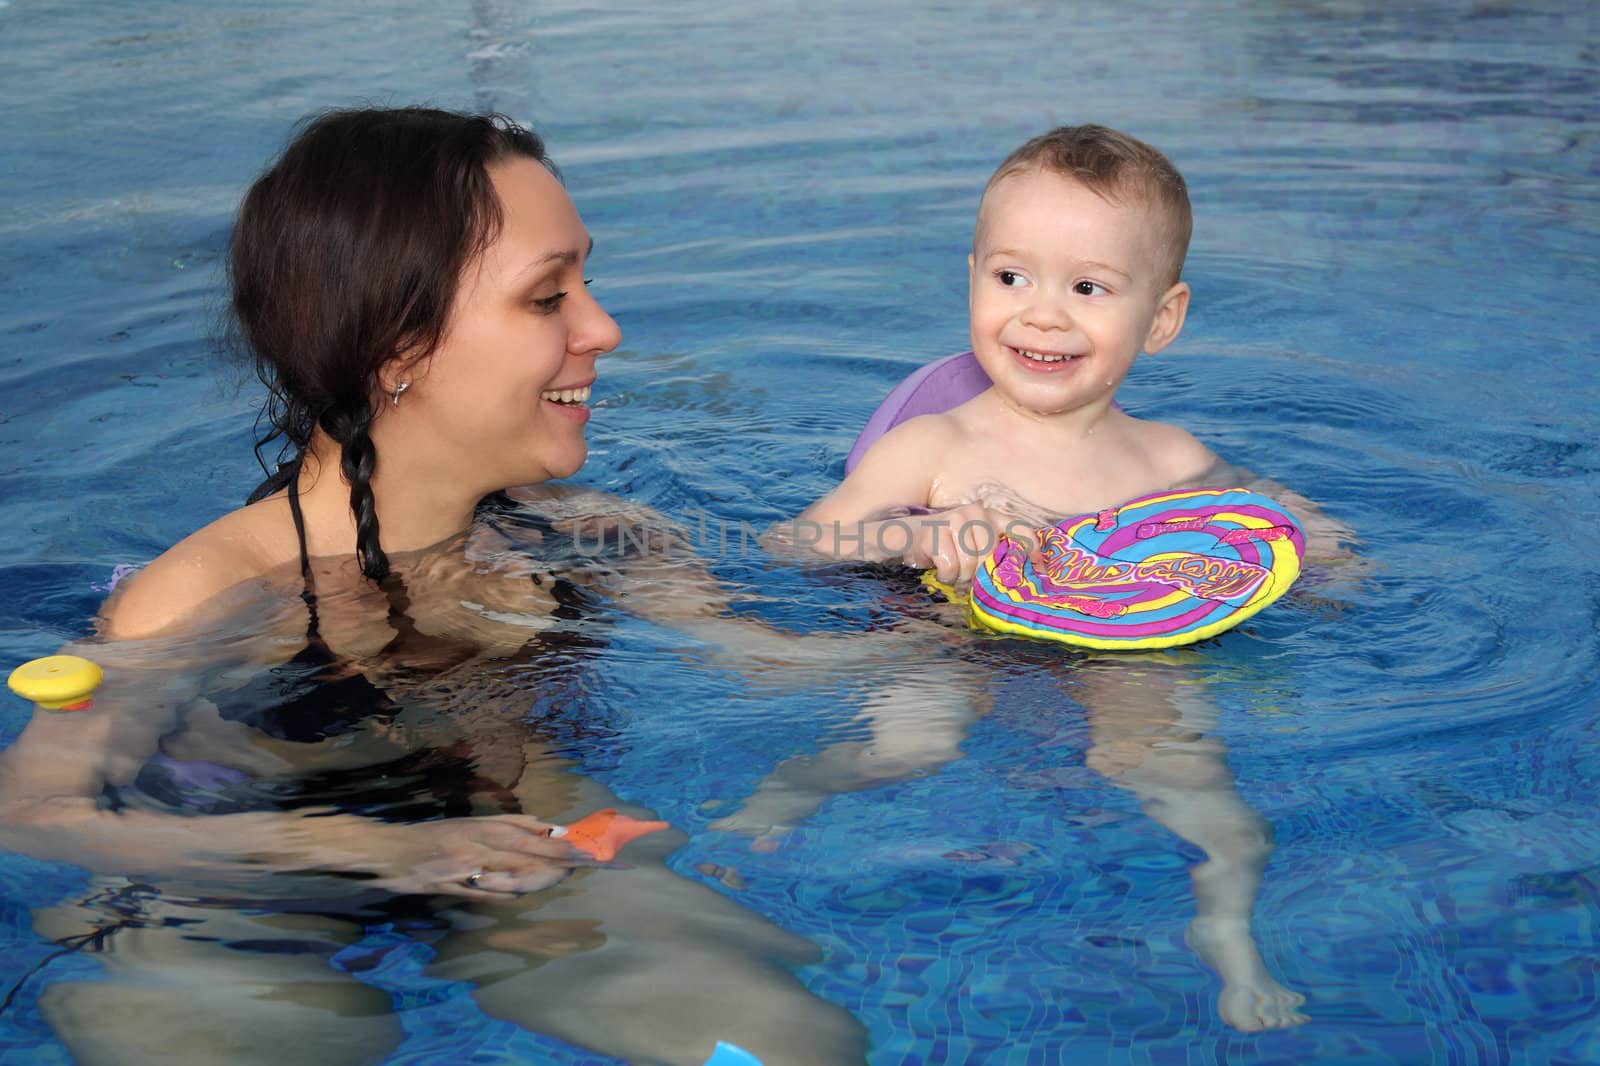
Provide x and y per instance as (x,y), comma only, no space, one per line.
(474,858)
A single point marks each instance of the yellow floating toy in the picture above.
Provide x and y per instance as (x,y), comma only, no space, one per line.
(57,682)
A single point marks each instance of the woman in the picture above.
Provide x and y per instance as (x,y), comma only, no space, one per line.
(410,284)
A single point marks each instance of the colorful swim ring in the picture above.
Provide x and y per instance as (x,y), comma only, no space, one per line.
(1163,570)
(1166,569)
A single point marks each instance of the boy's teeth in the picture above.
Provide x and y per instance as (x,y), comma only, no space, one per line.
(1043,357)
(566,395)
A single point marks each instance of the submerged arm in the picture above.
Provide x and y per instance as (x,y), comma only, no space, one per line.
(668,583)
(1327,539)
(59,785)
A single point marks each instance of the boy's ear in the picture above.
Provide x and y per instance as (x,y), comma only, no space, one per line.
(1168,318)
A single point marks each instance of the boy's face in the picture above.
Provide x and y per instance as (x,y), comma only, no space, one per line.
(1065,290)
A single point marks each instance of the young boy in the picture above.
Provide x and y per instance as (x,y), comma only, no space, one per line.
(1074,270)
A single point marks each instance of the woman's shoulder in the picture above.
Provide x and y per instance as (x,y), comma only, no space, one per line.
(240,546)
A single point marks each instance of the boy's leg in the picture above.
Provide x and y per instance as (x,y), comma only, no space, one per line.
(1151,732)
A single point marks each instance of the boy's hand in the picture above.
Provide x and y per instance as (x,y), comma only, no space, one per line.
(954,543)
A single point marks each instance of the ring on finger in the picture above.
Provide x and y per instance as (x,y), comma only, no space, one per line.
(474,879)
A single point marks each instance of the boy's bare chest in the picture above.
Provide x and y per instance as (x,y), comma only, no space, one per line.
(1041,483)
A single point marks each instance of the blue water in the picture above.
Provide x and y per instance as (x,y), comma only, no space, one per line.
(1394,267)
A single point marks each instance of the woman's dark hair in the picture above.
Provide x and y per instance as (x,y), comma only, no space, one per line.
(347,252)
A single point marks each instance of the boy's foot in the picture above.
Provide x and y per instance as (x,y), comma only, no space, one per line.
(1251,999)
(771,811)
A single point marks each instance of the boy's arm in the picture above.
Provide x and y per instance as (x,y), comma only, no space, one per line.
(1327,538)
(896,472)
(857,520)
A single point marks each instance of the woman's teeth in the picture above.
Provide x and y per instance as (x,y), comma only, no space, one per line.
(566,395)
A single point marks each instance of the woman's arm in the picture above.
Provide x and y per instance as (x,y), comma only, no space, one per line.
(58,801)
(665,581)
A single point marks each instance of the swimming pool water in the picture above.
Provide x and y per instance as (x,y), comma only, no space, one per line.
(1397,242)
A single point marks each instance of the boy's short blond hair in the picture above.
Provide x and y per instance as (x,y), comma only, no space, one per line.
(1113,166)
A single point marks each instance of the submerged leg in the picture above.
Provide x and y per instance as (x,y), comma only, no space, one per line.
(1153,738)
(211,986)
(635,961)
(914,727)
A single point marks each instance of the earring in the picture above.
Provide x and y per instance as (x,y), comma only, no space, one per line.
(398,389)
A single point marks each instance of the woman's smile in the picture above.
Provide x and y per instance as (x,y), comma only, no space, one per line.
(572,402)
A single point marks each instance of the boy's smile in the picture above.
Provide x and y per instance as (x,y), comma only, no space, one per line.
(1066,288)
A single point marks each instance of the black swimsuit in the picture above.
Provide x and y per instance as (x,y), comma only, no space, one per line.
(319,694)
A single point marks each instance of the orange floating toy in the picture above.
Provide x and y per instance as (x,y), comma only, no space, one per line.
(603,833)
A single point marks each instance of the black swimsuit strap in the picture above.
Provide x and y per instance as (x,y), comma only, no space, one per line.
(408,642)
(275,481)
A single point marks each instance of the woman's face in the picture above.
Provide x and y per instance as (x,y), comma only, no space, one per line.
(507,389)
